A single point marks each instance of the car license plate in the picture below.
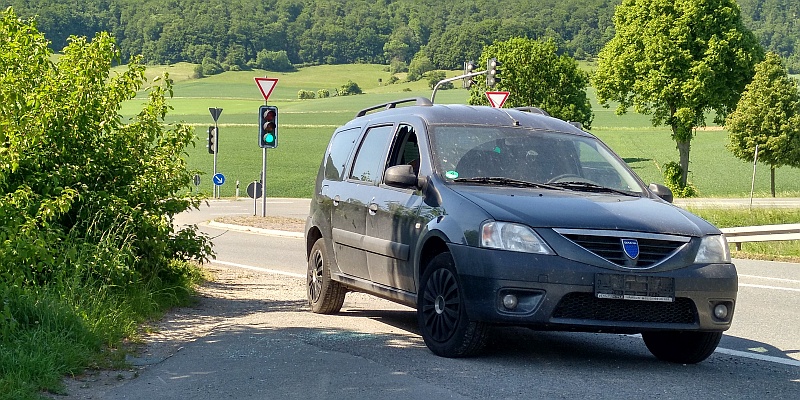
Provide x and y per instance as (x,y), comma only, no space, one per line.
(634,287)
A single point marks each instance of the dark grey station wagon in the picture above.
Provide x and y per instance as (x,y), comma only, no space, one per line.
(480,216)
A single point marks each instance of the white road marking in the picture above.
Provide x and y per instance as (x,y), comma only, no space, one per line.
(770,279)
(747,354)
(756,356)
(769,287)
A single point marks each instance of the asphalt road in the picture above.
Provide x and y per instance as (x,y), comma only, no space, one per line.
(372,349)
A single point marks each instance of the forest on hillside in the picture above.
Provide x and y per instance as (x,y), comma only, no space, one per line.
(281,34)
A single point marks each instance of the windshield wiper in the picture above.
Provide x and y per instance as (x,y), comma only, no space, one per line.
(497,180)
(591,187)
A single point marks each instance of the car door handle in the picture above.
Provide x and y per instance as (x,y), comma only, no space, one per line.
(373,209)
(336,200)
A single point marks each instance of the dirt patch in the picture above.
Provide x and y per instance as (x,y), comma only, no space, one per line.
(268,222)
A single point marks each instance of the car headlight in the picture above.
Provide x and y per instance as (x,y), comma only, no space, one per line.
(512,237)
(713,249)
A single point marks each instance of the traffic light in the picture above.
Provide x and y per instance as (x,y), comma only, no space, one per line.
(212,139)
(268,127)
(469,67)
(492,73)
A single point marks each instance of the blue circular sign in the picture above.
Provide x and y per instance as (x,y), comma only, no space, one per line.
(218,179)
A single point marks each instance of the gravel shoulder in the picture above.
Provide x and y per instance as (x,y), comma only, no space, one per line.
(234,299)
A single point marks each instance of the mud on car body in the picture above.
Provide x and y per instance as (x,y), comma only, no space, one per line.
(480,216)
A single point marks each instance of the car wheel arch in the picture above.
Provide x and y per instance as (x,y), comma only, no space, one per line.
(312,236)
(433,245)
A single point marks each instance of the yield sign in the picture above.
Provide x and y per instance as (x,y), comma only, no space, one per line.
(497,99)
(266,85)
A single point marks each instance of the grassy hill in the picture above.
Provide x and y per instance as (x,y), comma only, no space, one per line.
(306,127)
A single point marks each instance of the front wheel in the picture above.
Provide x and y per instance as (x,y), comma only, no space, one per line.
(682,347)
(325,296)
(442,318)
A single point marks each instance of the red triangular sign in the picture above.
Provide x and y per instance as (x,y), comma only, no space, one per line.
(266,85)
(497,99)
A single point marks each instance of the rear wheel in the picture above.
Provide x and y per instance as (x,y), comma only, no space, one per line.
(442,318)
(682,347)
(325,296)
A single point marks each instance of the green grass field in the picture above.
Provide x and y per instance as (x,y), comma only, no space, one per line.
(306,126)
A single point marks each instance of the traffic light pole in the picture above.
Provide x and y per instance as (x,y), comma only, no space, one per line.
(215,193)
(264,182)
(455,78)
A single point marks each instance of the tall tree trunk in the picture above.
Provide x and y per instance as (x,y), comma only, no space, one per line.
(682,134)
(772,179)
(683,151)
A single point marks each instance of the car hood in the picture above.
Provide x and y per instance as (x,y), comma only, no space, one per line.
(580,210)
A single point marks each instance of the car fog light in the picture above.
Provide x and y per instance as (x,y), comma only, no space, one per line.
(721,311)
(510,301)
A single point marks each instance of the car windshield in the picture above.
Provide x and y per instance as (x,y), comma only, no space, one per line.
(513,154)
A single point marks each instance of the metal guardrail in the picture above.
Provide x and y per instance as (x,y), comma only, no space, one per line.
(761,233)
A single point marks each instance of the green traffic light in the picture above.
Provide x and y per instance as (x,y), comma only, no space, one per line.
(269,138)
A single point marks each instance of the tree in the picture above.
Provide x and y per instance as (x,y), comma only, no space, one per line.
(83,194)
(767,116)
(435,76)
(419,65)
(536,76)
(676,60)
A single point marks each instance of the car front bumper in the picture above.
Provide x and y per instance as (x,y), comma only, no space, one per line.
(555,293)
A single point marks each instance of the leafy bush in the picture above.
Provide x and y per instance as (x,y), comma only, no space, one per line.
(672,179)
(86,205)
(274,61)
(305,94)
(323,93)
(211,67)
(348,89)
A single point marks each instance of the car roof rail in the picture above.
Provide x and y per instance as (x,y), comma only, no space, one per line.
(534,110)
(418,101)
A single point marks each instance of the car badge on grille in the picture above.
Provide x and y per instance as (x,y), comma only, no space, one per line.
(631,248)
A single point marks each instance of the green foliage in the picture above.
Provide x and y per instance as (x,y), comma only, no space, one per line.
(435,76)
(536,76)
(273,61)
(305,94)
(86,204)
(396,66)
(349,88)
(356,31)
(767,115)
(675,60)
(774,22)
(70,168)
(210,66)
(672,179)
(418,67)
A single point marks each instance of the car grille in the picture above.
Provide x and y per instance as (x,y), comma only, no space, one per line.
(651,251)
(586,306)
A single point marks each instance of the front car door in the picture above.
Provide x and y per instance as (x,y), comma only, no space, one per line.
(351,199)
(392,219)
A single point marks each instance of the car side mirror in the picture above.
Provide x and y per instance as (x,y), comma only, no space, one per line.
(400,176)
(661,191)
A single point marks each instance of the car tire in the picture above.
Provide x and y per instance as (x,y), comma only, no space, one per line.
(325,296)
(441,315)
(682,347)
